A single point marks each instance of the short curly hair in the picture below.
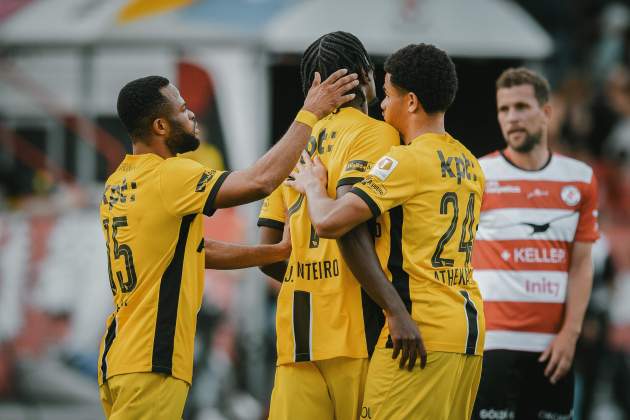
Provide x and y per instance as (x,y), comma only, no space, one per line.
(140,102)
(426,71)
(523,76)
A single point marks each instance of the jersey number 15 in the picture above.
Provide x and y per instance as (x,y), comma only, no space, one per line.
(120,250)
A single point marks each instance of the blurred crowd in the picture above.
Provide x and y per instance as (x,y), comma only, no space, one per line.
(54,299)
(590,74)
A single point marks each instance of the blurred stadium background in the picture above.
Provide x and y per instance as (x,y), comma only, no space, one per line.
(62,63)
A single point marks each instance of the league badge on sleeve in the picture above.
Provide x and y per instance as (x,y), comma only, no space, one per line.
(384,167)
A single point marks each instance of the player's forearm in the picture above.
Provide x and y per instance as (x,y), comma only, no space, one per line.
(276,270)
(270,236)
(580,282)
(357,248)
(229,256)
(270,170)
(323,212)
(273,167)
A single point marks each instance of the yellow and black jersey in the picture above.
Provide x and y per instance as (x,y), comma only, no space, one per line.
(322,312)
(432,189)
(151,218)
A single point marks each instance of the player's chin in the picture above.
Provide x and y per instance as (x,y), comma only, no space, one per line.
(191,144)
(516,139)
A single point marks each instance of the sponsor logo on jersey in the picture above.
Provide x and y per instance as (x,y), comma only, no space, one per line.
(205,178)
(358,165)
(494,187)
(384,167)
(534,255)
(544,227)
(491,413)
(570,195)
(549,415)
(539,255)
(119,193)
(542,287)
(375,186)
(538,228)
(537,192)
(462,167)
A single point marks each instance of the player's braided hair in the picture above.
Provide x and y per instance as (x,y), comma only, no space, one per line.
(332,52)
(426,71)
(140,102)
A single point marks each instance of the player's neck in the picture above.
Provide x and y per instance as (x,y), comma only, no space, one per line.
(153,146)
(420,124)
(533,160)
(357,104)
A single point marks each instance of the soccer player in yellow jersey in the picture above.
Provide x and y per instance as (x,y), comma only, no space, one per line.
(326,325)
(432,187)
(151,214)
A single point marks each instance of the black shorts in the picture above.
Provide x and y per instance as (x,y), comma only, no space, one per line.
(514,387)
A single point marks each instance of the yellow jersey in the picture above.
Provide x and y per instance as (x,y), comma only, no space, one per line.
(150,215)
(432,189)
(322,311)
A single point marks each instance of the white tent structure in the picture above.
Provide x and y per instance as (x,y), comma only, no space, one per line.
(78,52)
(464,28)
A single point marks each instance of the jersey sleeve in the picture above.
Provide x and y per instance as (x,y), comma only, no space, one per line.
(273,213)
(187,187)
(391,182)
(587,228)
(370,145)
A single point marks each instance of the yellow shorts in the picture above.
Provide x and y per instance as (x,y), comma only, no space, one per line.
(140,396)
(444,390)
(320,390)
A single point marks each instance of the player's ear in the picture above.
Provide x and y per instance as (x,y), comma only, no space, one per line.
(413,103)
(546,108)
(160,126)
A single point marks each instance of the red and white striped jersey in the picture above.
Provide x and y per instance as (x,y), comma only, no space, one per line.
(529,221)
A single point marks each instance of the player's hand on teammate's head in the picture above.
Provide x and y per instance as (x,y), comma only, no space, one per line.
(307,173)
(324,97)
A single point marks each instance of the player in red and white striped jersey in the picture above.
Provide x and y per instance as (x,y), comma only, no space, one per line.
(532,259)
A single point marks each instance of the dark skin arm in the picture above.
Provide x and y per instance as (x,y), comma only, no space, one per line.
(260,179)
(357,249)
(270,236)
(330,218)
(230,256)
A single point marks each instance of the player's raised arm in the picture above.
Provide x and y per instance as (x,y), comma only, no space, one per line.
(271,169)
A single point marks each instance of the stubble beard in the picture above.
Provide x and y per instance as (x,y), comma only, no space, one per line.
(180,141)
(531,140)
